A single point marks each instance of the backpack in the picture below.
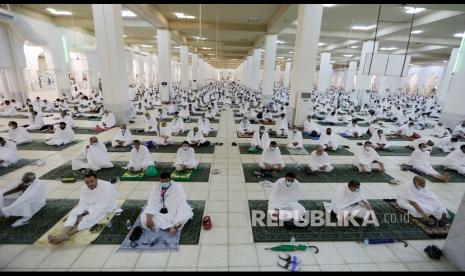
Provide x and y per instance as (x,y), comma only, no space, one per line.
(151,171)
(135,236)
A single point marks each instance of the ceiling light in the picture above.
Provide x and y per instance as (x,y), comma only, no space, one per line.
(280,57)
(328,5)
(146,46)
(413,10)
(206,48)
(55,12)
(176,47)
(347,55)
(181,15)
(445,61)
(199,38)
(417,32)
(354,47)
(280,42)
(125,36)
(387,48)
(291,52)
(128,13)
(363,28)
(321,44)
(458,35)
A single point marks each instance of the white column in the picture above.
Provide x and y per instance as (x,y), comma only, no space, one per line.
(363,81)
(446,77)
(350,76)
(164,63)
(268,68)
(108,26)
(277,73)
(304,66)
(195,70)
(184,53)
(257,55)
(324,77)
(287,74)
(455,241)
(453,112)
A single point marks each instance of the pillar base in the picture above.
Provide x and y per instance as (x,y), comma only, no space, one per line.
(67,92)
(121,111)
(451,120)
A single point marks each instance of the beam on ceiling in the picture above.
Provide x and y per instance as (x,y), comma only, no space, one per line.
(188,25)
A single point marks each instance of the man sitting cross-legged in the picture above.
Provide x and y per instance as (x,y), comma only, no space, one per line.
(123,137)
(62,135)
(366,159)
(23,198)
(260,138)
(379,140)
(185,158)
(8,153)
(164,135)
(349,200)
(271,158)
(196,138)
(94,157)
(328,140)
(456,160)
(420,161)
(295,139)
(319,161)
(96,200)
(284,199)
(421,202)
(245,127)
(139,157)
(167,207)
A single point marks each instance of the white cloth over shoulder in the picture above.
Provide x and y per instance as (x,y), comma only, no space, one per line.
(140,159)
(26,204)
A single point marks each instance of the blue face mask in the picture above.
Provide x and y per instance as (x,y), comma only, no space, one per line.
(166,185)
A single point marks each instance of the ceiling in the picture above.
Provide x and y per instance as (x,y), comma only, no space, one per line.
(242,27)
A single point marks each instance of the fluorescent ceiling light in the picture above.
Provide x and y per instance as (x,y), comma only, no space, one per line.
(181,15)
(291,52)
(348,55)
(321,44)
(125,36)
(280,57)
(354,47)
(280,42)
(176,47)
(146,46)
(417,32)
(328,5)
(206,48)
(363,28)
(458,35)
(55,12)
(387,48)
(199,38)
(445,61)
(413,10)
(127,13)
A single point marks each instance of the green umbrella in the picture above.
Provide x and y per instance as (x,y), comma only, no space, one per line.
(288,247)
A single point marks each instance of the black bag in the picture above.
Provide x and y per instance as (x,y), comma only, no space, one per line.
(135,236)
(433,252)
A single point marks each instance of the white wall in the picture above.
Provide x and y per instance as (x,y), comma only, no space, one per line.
(423,72)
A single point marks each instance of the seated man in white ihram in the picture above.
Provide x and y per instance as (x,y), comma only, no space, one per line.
(271,159)
(459,130)
(123,137)
(8,109)
(282,125)
(284,199)
(23,198)
(295,139)
(35,121)
(150,123)
(167,207)
(379,141)
(319,161)
(366,159)
(328,140)
(353,130)
(420,161)
(245,127)
(196,138)
(139,157)
(260,138)
(456,160)
(185,158)
(164,135)
(421,202)
(63,135)
(94,157)
(108,120)
(8,153)
(177,124)
(18,135)
(96,200)
(349,200)
(204,125)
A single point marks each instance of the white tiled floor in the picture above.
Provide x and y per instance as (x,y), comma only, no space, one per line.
(229,244)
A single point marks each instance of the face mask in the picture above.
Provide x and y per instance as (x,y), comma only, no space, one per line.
(185,148)
(272,149)
(295,131)
(166,185)
(262,130)
(357,190)
(367,148)
(289,183)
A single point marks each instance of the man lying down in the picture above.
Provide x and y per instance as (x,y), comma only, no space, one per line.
(96,200)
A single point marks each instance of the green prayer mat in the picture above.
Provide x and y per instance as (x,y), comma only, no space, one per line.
(182,176)
(40,145)
(77,130)
(455,177)
(190,233)
(403,151)
(210,149)
(132,176)
(193,120)
(140,132)
(21,163)
(341,173)
(367,137)
(321,123)
(41,222)
(244,149)
(238,121)
(392,225)
(202,172)
(88,118)
(14,117)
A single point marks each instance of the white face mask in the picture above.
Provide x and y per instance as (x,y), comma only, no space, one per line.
(357,190)
(367,148)
(185,148)
(289,183)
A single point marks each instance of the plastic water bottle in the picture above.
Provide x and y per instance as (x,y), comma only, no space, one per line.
(366,242)
(109,225)
(292,240)
(128,225)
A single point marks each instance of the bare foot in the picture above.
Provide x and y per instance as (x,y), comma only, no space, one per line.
(57,239)
(173,231)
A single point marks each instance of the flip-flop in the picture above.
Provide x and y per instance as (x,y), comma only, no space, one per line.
(290,258)
(292,267)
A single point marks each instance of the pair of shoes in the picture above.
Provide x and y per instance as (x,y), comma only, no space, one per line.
(289,262)
(20,222)
(207,223)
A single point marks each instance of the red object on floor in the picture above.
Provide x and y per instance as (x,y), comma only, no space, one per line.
(207,223)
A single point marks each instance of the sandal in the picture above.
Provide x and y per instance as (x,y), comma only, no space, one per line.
(290,258)
(292,267)
(207,223)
